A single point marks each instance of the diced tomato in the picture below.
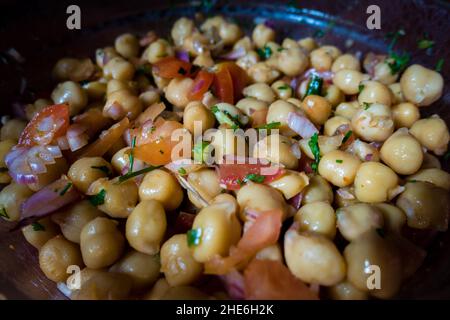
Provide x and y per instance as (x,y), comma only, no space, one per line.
(239,77)
(172,67)
(202,82)
(272,280)
(223,85)
(52,122)
(232,175)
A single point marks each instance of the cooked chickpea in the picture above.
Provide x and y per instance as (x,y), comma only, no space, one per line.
(430,161)
(121,160)
(397,94)
(291,61)
(322,58)
(219,229)
(204,60)
(402,152)
(250,59)
(339,167)
(333,95)
(291,183)
(374,92)
(32,109)
(143,269)
(86,170)
(54,171)
(347,109)
(103,56)
(318,217)
(435,176)
(146,227)
(229,33)
(249,198)
(56,255)
(182,28)
(158,50)
(262,34)
(103,285)
(346,291)
(119,69)
(382,73)
(95,90)
(177,262)
(373,122)
(225,142)
(372,250)
(349,80)
(114,85)
(196,44)
(119,198)
(282,89)
(73,69)
(195,111)
(277,149)
(262,72)
(310,255)
(260,91)
(177,91)
(38,234)
(307,43)
(127,45)
(326,145)
(346,61)
(355,220)
(206,182)
(251,105)
(317,108)
(122,103)
(149,98)
(318,189)
(394,218)
(421,86)
(432,133)
(272,252)
(73,218)
(279,112)
(426,205)
(71,93)
(405,115)
(333,123)
(375,182)
(5,148)
(162,186)
(101,243)
(11,198)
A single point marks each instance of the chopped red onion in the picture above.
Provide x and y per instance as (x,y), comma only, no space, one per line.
(296,201)
(234,284)
(182,55)
(295,149)
(235,54)
(301,125)
(368,157)
(77,136)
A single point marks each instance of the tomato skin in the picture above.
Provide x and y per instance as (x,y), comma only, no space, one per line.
(239,77)
(202,82)
(223,85)
(31,135)
(172,67)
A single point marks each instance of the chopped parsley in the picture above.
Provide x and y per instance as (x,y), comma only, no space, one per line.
(200,151)
(439,65)
(182,71)
(284,87)
(131,155)
(360,88)
(182,171)
(83,83)
(254,177)
(239,181)
(397,62)
(224,117)
(394,36)
(281,49)
(339,161)
(264,52)
(104,169)
(347,136)
(130,175)
(425,43)
(160,151)
(313,144)
(66,188)
(412,181)
(314,86)
(3,213)
(270,125)
(320,33)
(37,226)
(193,237)
(366,105)
(98,199)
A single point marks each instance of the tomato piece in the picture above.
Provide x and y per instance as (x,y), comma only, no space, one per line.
(239,77)
(223,85)
(50,123)
(232,175)
(172,67)
(202,82)
(272,280)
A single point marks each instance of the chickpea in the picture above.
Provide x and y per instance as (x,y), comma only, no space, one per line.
(122,103)
(177,91)
(430,161)
(272,252)
(245,43)
(206,182)
(326,145)
(426,205)
(85,171)
(229,33)
(405,114)
(372,250)
(339,167)
(73,69)
(149,98)
(309,257)
(307,43)
(103,285)
(333,123)
(212,23)
(143,269)
(346,61)
(219,229)
(346,291)
(56,255)
(436,176)
(250,59)
(374,92)
(249,198)
(101,243)
(224,142)
(333,95)
(317,108)
(103,56)
(119,199)
(290,184)
(177,262)
(196,44)
(158,50)
(322,58)
(127,45)
(54,172)
(382,73)
(204,60)
(347,109)
(72,219)
(95,90)
(318,217)
(5,148)
(397,94)
(345,197)
(159,289)
(277,149)
(38,235)
(296,102)
(355,220)
(114,85)
(71,93)
(32,109)
(375,182)
(394,218)
(364,151)
(119,69)
(290,61)
(182,28)
(251,105)
(402,152)
(421,86)
(279,112)
(195,111)
(318,189)
(260,91)
(162,186)
(11,198)
(432,133)
(349,80)
(373,122)
(121,160)
(282,89)
(262,34)
(146,227)
(262,72)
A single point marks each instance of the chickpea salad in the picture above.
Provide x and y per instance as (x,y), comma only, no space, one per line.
(212,164)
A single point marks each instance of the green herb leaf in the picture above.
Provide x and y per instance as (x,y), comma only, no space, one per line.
(104,169)
(66,188)
(264,52)
(98,199)
(360,88)
(313,144)
(397,62)
(37,226)
(439,65)
(394,36)
(318,33)
(131,154)
(270,125)
(182,71)
(3,213)
(366,105)
(239,182)
(281,49)
(84,82)
(425,43)
(224,117)
(339,161)
(284,87)
(182,171)
(130,175)
(347,136)
(254,177)
(200,151)
(412,181)
(314,86)
(194,237)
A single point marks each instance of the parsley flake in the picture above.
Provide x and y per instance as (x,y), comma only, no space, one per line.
(3,213)
(360,88)
(264,52)
(37,226)
(182,171)
(313,144)
(182,71)
(194,237)
(366,105)
(425,43)
(98,199)
(439,65)
(314,86)
(255,178)
(104,169)
(339,161)
(130,175)
(347,136)
(66,188)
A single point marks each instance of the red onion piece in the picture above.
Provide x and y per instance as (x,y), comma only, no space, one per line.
(301,125)
(296,201)
(234,284)
(235,54)
(182,55)
(77,136)
(295,149)
(368,157)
